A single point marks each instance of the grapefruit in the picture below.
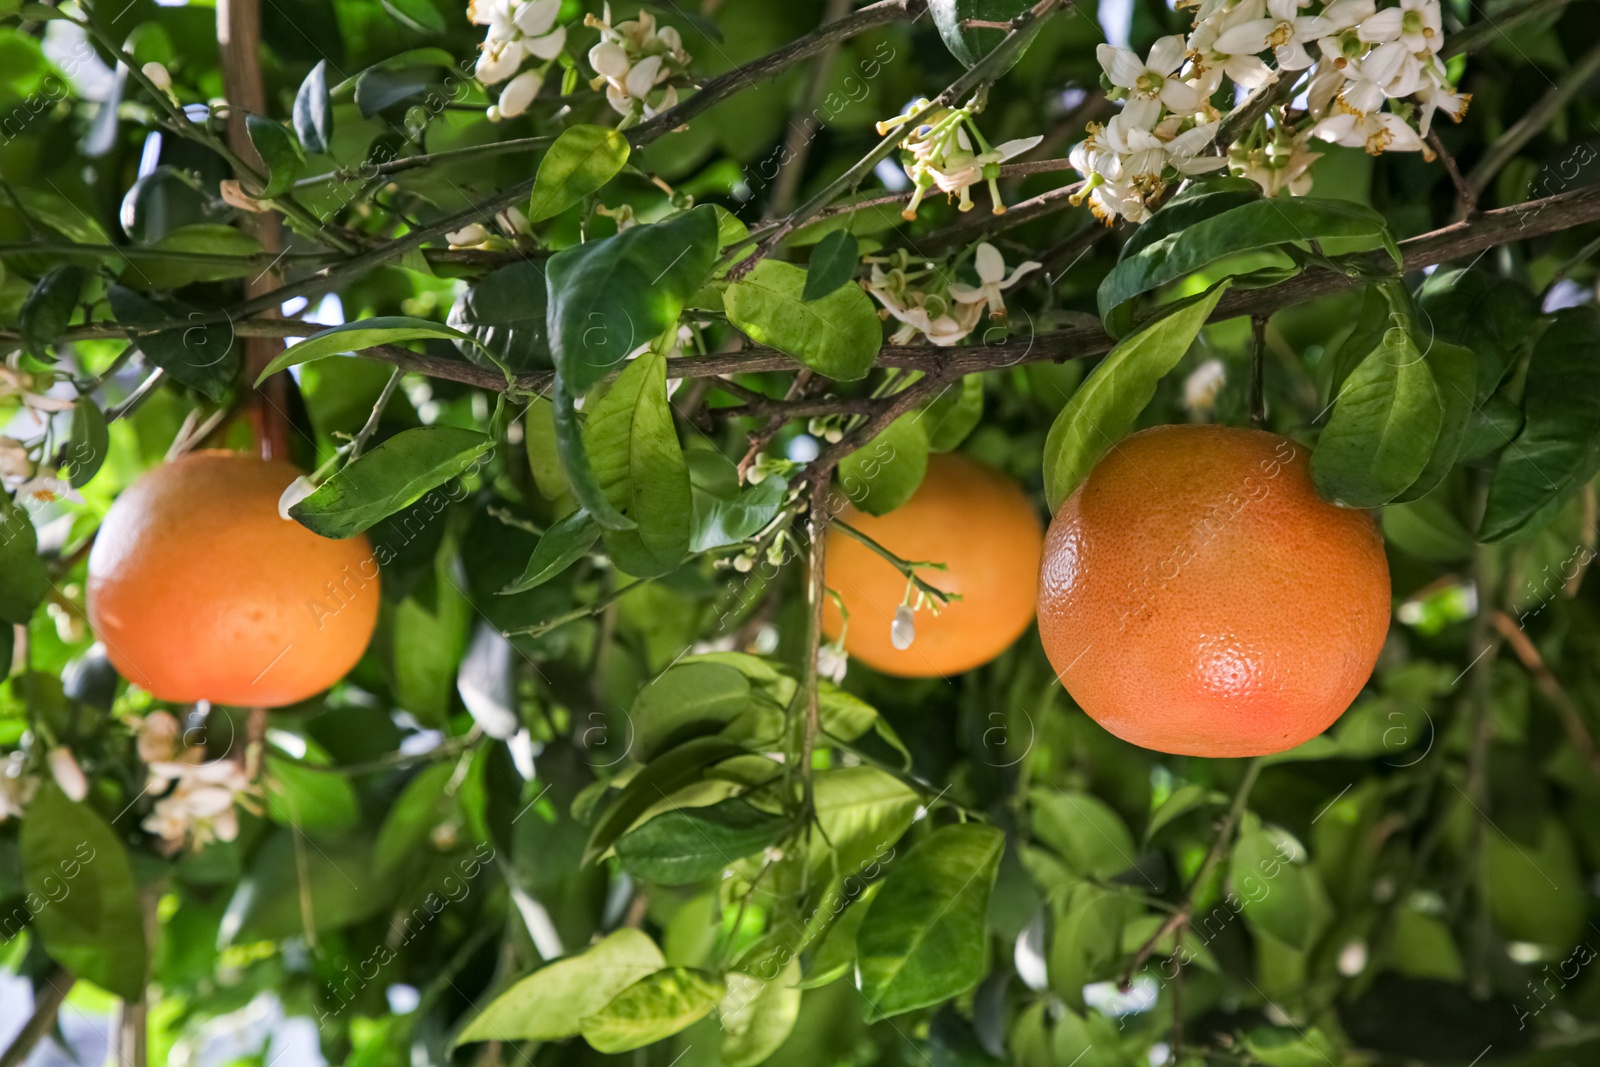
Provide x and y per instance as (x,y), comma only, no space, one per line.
(967,516)
(201,590)
(1197,596)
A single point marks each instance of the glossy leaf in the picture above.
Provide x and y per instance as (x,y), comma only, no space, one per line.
(1455,375)
(660,777)
(1558,449)
(421,807)
(86,907)
(833,264)
(575,463)
(551,1003)
(1492,315)
(726,513)
(758,1015)
(388,478)
(692,844)
(968,43)
(313,111)
(1277,896)
(687,700)
(886,472)
(539,439)
(655,1007)
(382,87)
(562,545)
(90,443)
(578,164)
(278,150)
(310,800)
(837,335)
(954,414)
(1196,202)
(1084,831)
(504,313)
(862,812)
(608,297)
(206,238)
(24,581)
(1106,406)
(363,333)
(1385,423)
(923,939)
(48,308)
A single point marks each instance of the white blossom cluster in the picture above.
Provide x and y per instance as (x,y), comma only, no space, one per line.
(634,60)
(201,806)
(940,154)
(518,30)
(925,304)
(1359,60)
(20,471)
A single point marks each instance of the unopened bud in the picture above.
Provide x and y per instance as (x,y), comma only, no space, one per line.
(903,630)
(68,775)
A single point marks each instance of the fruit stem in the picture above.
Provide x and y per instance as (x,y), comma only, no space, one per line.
(905,567)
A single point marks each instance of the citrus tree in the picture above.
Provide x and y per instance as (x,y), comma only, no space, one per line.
(930,532)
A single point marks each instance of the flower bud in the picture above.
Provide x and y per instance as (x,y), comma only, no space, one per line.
(158,76)
(68,775)
(903,630)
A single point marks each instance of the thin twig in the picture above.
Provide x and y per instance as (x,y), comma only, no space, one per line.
(47,1001)
(1258,370)
(906,567)
(1571,718)
(1465,193)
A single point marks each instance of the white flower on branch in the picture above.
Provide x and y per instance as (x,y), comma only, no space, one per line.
(1377,132)
(1200,389)
(634,60)
(1284,32)
(517,95)
(993,279)
(518,29)
(1150,83)
(1415,23)
(942,156)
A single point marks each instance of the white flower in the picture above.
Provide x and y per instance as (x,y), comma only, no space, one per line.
(32,389)
(1434,93)
(518,94)
(1377,132)
(1415,23)
(1211,64)
(991,268)
(44,489)
(16,463)
(943,156)
(158,76)
(634,60)
(499,60)
(1284,32)
(469,236)
(903,630)
(1200,389)
(203,806)
(16,788)
(158,737)
(832,662)
(518,29)
(68,775)
(1150,83)
(1387,71)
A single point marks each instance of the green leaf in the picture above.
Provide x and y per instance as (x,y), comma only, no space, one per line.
(24,581)
(688,700)
(692,844)
(1534,889)
(1199,200)
(551,1003)
(539,437)
(203,357)
(380,87)
(608,297)
(923,939)
(862,812)
(562,545)
(954,414)
(757,1016)
(575,461)
(1558,449)
(363,333)
(833,264)
(279,150)
(1385,423)
(313,801)
(81,893)
(392,476)
(837,335)
(638,464)
(208,238)
(504,313)
(1290,1047)
(1084,831)
(724,512)
(48,308)
(582,160)
(313,111)
(421,806)
(90,442)
(660,777)
(970,44)
(1455,375)
(1247,227)
(1104,408)
(419,15)
(1183,800)
(886,472)
(655,1007)
(1278,897)
(1490,314)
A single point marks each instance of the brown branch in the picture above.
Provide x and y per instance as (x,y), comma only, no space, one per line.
(47,1001)
(1465,193)
(1571,718)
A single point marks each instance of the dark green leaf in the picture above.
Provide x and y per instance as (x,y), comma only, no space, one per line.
(23,578)
(837,335)
(86,902)
(724,513)
(1383,429)
(886,472)
(1492,315)
(970,44)
(380,87)
(692,844)
(203,357)
(833,264)
(1197,202)
(923,939)
(48,308)
(363,333)
(390,477)
(313,111)
(504,311)
(1104,408)
(608,297)
(1455,375)
(91,439)
(659,778)
(655,1007)
(561,546)
(419,15)
(575,461)
(861,812)
(1558,449)
(954,414)
(582,160)
(207,238)
(685,701)
(279,150)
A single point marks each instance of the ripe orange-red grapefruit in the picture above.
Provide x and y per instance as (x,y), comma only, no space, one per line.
(967,516)
(201,590)
(1198,597)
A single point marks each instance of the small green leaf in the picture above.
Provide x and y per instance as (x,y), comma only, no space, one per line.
(363,333)
(1277,896)
(310,800)
(539,437)
(1084,831)
(562,545)
(23,578)
(833,264)
(724,512)
(655,1007)
(923,940)
(552,1002)
(380,87)
(313,111)
(954,414)
(837,335)
(582,160)
(692,844)
(1104,408)
(419,15)
(575,461)
(688,700)
(504,311)
(660,777)
(91,441)
(392,476)
(88,917)
(279,150)
(886,472)
(48,308)
(1558,449)
(608,297)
